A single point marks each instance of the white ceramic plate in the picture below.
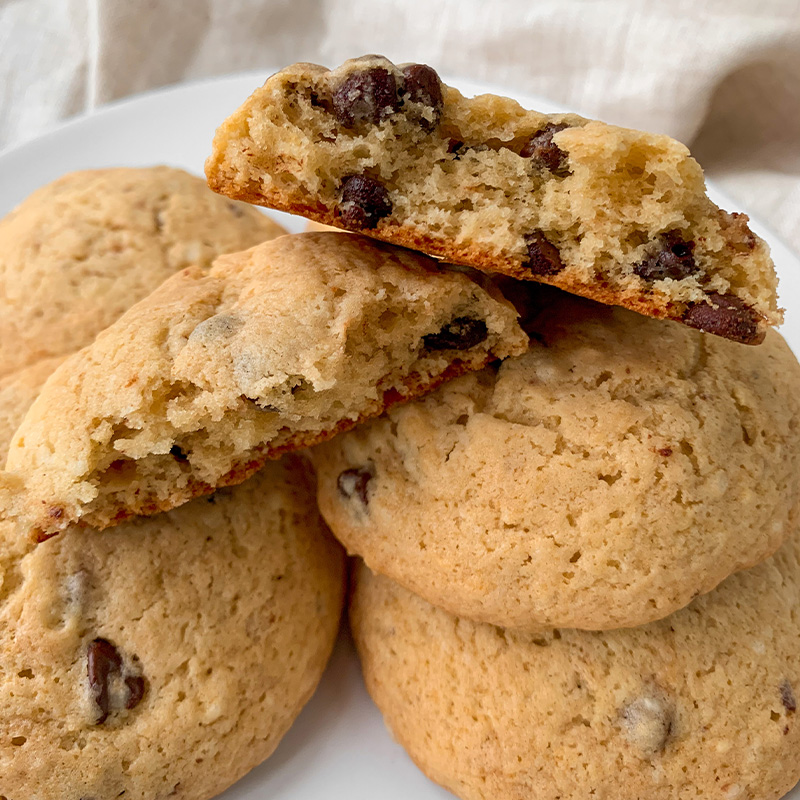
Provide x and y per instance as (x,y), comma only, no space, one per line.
(339,748)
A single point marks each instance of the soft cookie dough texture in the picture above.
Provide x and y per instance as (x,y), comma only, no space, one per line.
(223,367)
(614,214)
(701,704)
(619,468)
(80,251)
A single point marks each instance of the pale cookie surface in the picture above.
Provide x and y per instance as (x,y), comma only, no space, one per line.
(80,251)
(610,213)
(166,658)
(618,469)
(702,704)
(221,368)
(18,390)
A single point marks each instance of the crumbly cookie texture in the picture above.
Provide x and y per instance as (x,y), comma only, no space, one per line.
(80,251)
(701,704)
(168,657)
(618,469)
(614,214)
(219,369)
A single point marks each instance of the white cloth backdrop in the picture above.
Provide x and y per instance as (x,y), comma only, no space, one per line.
(723,76)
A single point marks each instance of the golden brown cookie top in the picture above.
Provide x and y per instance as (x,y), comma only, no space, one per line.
(80,251)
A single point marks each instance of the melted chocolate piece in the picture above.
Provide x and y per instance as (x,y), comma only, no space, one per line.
(103,661)
(365,202)
(543,256)
(104,665)
(674,259)
(355,483)
(542,149)
(422,85)
(728,317)
(366,96)
(462,333)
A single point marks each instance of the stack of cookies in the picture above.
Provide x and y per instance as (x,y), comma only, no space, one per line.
(576,521)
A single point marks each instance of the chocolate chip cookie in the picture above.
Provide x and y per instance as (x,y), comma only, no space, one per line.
(701,704)
(619,468)
(80,251)
(168,657)
(265,351)
(613,214)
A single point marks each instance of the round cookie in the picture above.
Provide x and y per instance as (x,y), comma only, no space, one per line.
(169,657)
(80,251)
(618,469)
(702,704)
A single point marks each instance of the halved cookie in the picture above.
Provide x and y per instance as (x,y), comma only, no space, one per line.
(219,369)
(613,214)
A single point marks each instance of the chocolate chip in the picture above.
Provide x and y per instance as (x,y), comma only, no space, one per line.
(355,483)
(422,85)
(103,660)
(542,149)
(788,698)
(105,667)
(543,256)
(135,685)
(648,721)
(725,315)
(462,333)
(178,454)
(366,96)
(673,258)
(365,201)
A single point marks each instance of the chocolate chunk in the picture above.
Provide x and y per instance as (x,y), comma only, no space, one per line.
(103,661)
(674,258)
(365,201)
(542,149)
(355,483)
(135,685)
(105,667)
(366,96)
(788,698)
(462,333)
(543,256)
(648,721)
(725,315)
(422,85)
